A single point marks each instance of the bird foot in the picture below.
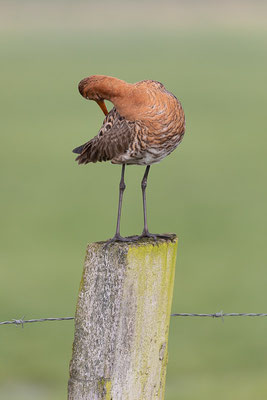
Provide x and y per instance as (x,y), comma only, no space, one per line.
(119,238)
(157,236)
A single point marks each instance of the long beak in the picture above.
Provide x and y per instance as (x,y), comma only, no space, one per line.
(102,105)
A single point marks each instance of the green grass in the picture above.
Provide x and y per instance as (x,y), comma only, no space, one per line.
(211,192)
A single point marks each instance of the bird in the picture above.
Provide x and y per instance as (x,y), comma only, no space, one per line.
(145,125)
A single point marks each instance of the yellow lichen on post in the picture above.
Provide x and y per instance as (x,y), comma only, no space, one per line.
(122,321)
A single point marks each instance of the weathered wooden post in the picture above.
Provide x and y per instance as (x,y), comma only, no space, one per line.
(122,321)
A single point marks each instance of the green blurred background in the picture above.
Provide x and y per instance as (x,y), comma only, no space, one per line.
(211,191)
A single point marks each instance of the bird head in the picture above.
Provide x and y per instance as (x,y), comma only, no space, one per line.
(90,88)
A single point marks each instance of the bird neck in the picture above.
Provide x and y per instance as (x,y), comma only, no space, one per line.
(128,98)
(123,95)
(109,88)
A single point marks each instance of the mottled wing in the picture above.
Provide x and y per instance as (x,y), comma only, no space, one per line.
(113,140)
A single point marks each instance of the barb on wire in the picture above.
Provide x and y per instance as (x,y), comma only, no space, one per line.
(21,321)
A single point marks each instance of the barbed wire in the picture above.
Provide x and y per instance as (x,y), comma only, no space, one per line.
(220,314)
(21,321)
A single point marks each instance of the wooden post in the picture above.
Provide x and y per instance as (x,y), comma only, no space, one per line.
(122,321)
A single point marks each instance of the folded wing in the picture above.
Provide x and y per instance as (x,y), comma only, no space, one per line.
(113,140)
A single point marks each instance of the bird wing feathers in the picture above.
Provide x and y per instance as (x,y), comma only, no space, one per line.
(113,140)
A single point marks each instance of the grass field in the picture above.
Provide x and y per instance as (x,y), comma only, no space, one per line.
(211,192)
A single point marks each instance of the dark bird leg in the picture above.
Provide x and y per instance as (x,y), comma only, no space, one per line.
(143,186)
(145,232)
(117,236)
(122,187)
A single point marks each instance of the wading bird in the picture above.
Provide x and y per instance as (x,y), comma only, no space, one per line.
(145,125)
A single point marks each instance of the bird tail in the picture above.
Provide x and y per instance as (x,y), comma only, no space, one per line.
(93,151)
(78,150)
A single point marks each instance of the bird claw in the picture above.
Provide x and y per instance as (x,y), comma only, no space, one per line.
(119,238)
(157,236)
